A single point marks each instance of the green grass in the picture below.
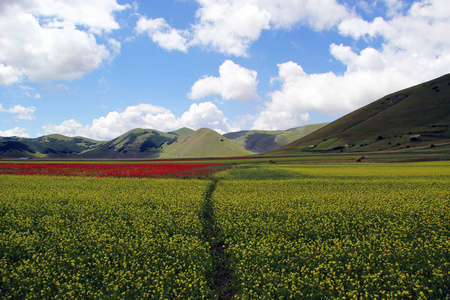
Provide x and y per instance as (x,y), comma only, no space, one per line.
(418,110)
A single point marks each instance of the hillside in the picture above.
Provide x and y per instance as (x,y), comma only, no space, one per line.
(204,143)
(416,117)
(52,146)
(262,141)
(182,131)
(137,143)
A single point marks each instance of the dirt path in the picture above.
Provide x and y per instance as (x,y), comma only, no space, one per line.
(222,282)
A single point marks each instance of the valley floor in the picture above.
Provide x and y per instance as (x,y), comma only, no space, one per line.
(254,231)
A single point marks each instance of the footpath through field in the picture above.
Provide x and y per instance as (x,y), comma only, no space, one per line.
(325,231)
(222,274)
(256,231)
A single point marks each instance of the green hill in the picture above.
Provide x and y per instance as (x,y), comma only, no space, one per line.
(52,146)
(182,131)
(412,118)
(261,141)
(204,143)
(136,143)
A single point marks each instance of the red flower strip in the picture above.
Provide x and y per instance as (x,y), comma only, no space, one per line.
(111,170)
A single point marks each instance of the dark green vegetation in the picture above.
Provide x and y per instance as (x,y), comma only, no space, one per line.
(53,145)
(414,118)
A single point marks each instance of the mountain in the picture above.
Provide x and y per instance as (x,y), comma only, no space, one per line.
(204,143)
(52,146)
(262,141)
(137,143)
(415,117)
(182,131)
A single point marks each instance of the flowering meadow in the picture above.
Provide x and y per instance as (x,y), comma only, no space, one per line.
(285,231)
(186,170)
(378,231)
(102,238)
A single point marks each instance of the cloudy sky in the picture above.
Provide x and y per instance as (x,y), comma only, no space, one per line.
(100,68)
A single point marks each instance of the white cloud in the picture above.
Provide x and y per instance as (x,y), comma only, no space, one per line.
(144,116)
(414,49)
(280,120)
(393,6)
(162,34)
(54,39)
(115,48)
(234,82)
(9,75)
(68,128)
(207,115)
(231,26)
(21,112)
(316,14)
(16,131)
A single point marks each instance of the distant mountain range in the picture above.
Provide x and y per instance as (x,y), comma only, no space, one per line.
(148,143)
(413,118)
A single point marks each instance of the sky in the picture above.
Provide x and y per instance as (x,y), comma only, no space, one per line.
(101,68)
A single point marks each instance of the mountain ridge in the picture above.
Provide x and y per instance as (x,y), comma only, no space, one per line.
(151,143)
(418,116)
(411,118)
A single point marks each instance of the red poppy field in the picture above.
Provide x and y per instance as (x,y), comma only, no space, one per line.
(142,170)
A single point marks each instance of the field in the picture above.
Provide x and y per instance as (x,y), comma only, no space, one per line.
(253,231)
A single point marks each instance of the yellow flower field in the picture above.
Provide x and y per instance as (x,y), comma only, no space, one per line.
(288,231)
(377,231)
(97,238)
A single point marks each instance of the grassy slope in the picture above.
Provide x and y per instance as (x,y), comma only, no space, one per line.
(203,143)
(182,131)
(260,141)
(422,111)
(46,146)
(136,143)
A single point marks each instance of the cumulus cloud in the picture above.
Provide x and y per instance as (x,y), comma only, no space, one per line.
(54,39)
(231,26)
(144,116)
(414,49)
(207,115)
(234,82)
(21,112)
(162,33)
(16,131)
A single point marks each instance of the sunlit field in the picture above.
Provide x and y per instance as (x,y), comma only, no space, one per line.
(97,238)
(286,231)
(335,231)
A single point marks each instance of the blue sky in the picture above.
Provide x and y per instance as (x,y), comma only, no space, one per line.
(100,68)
